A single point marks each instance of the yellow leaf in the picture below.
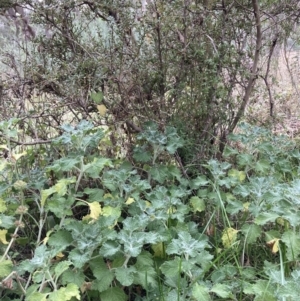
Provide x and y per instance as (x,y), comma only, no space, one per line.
(282,222)
(87,218)
(242,176)
(171,210)
(129,201)
(102,109)
(108,196)
(273,244)
(148,204)
(45,194)
(95,210)
(3,237)
(45,240)
(229,237)
(246,206)
(159,249)
(112,211)
(239,175)
(59,256)
(3,146)
(16,157)
(61,186)
(20,185)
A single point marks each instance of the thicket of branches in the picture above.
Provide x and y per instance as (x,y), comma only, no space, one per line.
(192,64)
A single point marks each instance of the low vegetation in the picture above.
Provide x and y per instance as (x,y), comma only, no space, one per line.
(76,225)
(133,166)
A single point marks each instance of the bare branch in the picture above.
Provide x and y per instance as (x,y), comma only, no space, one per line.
(253,75)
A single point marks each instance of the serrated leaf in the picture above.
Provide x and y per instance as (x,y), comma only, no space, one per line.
(61,267)
(222,290)
(6,267)
(269,235)
(102,110)
(78,259)
(145,259)
(237,174)
(292,240)
(262,166)
(262,289)
(173,144)
(95,194)
(125,275)
(159,173)
(95,210)
(6,221)
(36,296)
(197,204)
(41,256)
(200,292)
(174,172)
(174,295)
(65,293)
(62,185)
(109,248)
(204,259)
(159,249)
(141,154)
(233,205)
(186,245)
(171,267)
(94,168)
(64,164)
(3,237)
(229,151)
(114,212)
(229,236)
(199,182)
(104,276)
(113,294)
(60,239)
(265,217)
(73,276)
(61,206)
(145,273)
(251,232)
(245,160)
(97,97)
(129,201)
(45,194)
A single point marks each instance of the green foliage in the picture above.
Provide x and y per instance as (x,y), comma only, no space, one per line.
(113,230)
(176,62)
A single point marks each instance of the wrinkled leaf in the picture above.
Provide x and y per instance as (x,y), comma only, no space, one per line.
(229,237)
(197,204)
(200,292)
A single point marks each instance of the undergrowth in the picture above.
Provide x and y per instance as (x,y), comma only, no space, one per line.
(79,226)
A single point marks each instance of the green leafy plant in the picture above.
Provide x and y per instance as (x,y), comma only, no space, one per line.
(90,227)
